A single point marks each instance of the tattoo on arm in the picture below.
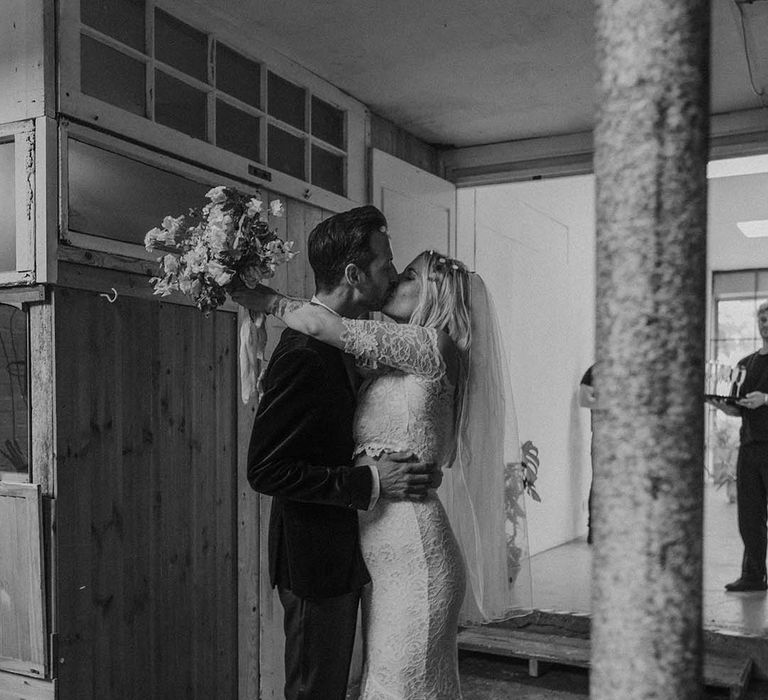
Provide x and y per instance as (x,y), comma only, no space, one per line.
(283,305)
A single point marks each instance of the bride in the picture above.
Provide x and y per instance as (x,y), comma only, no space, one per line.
(433,385)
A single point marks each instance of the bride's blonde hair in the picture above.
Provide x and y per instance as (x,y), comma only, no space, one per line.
(444,298)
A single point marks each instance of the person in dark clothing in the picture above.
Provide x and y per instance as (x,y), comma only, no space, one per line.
(301,452)
(752,462)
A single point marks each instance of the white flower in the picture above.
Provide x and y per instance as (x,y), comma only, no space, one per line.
(254,206)
(276,207)
(217,194)
(159,235)
(173,225)
(279,251)
(151,238)
(220,274)
(196,259)
(219,226)
(170,264)
(216,238)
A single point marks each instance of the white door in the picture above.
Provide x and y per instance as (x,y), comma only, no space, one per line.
(420,207)
(533,245)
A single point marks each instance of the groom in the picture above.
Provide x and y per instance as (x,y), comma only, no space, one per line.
(301,454)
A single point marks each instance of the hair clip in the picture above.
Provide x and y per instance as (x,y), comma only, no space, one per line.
(383,229)
(455,266)
(442,261)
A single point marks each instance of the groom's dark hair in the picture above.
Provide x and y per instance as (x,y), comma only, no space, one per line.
(340,240)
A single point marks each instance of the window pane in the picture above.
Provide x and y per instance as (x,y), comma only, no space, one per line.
(286,101)
(14,398)
(180,106)
(237,131)
(99,64)
(181,46)
(113,196)
(327,170)
(328,123)
(286,152)
(121,19)
(736,319)
(8,210)
(238,76)
(729,352)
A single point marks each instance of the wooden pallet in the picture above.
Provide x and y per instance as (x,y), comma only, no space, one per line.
(720,671)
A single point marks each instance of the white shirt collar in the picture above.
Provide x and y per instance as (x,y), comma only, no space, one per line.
(315,300)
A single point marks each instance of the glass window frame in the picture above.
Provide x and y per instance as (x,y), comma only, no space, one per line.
(735,285)
(23,135)
(164,161)
(729,285)
(144,129)
(19,299)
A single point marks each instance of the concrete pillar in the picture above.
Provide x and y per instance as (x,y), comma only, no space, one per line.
(650,166)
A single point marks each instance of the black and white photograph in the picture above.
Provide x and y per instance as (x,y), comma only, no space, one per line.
(354,350)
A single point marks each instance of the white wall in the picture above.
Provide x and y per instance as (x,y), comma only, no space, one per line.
(534,245)
(733,199)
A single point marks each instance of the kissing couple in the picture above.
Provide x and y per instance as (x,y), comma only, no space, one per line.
(357,421)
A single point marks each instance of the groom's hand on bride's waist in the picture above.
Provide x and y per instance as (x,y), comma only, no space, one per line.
(403,477)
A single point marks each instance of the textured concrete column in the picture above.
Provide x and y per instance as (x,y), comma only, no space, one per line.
(650,164)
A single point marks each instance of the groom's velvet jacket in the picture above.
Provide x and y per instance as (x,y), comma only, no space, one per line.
(301,454)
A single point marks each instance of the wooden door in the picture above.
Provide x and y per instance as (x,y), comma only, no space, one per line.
(146,526)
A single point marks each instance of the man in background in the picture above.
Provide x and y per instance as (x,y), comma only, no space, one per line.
(752,462)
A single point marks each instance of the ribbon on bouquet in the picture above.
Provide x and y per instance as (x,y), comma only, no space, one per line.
(253,342)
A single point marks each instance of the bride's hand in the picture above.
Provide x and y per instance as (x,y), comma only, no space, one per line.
(260,299)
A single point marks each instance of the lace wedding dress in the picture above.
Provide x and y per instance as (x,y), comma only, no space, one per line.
(411,610)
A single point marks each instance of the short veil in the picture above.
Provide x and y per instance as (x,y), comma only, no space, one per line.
(483,491)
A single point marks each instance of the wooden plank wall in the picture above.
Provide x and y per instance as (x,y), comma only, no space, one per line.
(140,348)
(398,142)
(295,279)
(146,498)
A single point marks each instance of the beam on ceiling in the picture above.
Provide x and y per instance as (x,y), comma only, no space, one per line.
(732,134)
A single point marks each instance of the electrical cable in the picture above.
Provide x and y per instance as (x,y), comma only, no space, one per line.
(760,93)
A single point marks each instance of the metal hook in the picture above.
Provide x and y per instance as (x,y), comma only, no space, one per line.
(110,299)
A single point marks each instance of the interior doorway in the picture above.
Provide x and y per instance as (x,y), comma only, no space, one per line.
(533,243)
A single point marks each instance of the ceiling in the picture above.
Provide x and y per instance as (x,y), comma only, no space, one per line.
(463,73)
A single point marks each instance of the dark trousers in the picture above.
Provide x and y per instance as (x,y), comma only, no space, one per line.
(752,500)
(319,636)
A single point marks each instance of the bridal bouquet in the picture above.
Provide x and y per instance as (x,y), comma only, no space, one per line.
(214,249)
(209,250)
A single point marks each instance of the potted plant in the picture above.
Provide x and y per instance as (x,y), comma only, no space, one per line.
(723,443)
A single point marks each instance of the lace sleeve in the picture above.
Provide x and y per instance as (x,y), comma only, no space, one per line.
(408,348)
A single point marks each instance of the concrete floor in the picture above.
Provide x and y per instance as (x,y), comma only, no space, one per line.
(561,576)
(561,582)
